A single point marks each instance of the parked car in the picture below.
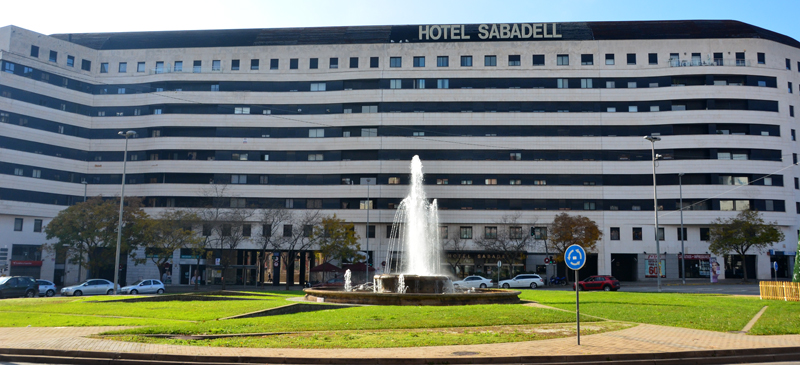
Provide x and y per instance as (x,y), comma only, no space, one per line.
(148,286)
(598,282)
(46,288)
(332,283)
(523,281)
(474,281)
(90,287)
(18,286)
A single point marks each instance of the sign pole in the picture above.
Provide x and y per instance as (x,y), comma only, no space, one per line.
(578,306)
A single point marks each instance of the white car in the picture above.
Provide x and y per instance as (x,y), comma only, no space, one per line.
(148,286)
(474,281)
(523,281)
(46,288)
(89,287)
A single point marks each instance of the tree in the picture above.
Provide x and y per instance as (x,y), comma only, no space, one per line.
(337,239)
(508,237)
(568,230)
(90,229)
(296,236)
(170,232)
(271,219)
(741,233)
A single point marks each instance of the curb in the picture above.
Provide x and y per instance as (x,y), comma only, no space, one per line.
(686,357)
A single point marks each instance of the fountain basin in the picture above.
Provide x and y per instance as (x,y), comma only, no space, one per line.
(415,284)
(480,296)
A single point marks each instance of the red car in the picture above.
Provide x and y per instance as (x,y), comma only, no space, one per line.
(598,282)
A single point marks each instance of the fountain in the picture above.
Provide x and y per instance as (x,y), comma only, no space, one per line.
(414,273)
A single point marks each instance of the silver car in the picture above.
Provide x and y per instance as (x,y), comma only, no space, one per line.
(148,286)
(46,288)
(523,281)
(90,287)
(474,281)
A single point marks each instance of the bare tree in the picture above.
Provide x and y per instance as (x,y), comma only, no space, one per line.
(455,247)
(508,237)
(171,231)
(271,220)
(295,235)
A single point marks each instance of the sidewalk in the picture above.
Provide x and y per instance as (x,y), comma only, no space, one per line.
(643,342)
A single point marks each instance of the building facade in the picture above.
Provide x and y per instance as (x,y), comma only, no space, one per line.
(513,122)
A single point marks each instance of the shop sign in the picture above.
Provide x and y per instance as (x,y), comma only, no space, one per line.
(25,263)
(652,268)
(704,257)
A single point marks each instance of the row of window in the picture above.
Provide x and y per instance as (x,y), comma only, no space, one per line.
(86,65)
(403,155)
(372,84)
(19,223)
(606,130)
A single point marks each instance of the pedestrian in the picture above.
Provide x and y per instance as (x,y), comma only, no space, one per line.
(164,277)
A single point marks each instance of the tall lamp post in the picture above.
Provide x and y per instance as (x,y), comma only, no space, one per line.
(683,252)
(369,205)
(653,140)
(80,258)
(127,135)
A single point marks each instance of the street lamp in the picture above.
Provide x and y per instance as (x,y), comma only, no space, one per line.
(369,205)
(653,140)
(683,252)
(127,135)
(80,259)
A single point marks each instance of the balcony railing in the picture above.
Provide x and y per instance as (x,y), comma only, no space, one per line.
(707,62)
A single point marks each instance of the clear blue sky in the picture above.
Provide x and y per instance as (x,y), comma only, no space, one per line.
(48,16)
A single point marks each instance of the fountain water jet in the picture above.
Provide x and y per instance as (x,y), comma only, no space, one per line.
(414,275)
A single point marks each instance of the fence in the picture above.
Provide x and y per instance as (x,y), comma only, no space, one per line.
(780,290)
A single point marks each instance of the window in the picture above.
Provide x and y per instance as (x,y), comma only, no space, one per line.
(761,58)
(419,61)
(18,224)
(86,65)
(263,179)
(369,109)
(156,111)
(465,233)
(394,181)
(466,61)
(490,181)
(515,182)
(35,51)
(466,182)
(37,225)
(443,83)
(562,60)
(373,62)
(369,132)
(395,84)
(652,58)
(539,233)
(632,84)
(238,179)
(587,59)
(538,60)
(214,87)
(273,64)
(395,62)
(767,181)
(788,64)
(442,61)
(254,64)
(681,235)
(705,233)
(287,230)
(70,61)
(490,233)
(562,83)
(216,65)
(419,83)
(241,110)
(317,86)
(313,203)
(315,157)
(104,68)
(140,67)
(8,67)
(418,134)
(316,133)
(366,204)
(53,56)
(790,88)
(293,63)
(36,173)
(490,60)
(539,182)
(631,58)
(615,233)
(586,83)
(791,110)
(515,156)
(235,65)
(633,108)
(609,59)
(289,203)
(637,233)
(178,66)
(660,233)
(514,60)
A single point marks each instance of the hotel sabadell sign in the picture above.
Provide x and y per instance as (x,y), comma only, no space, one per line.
(488,32)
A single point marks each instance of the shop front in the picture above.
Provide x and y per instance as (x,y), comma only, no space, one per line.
(465,263)
(696,266)
(785,261)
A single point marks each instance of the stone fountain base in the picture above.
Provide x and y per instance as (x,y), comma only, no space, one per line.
(421,290)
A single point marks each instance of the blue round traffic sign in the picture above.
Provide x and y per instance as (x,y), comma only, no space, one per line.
(575,257)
